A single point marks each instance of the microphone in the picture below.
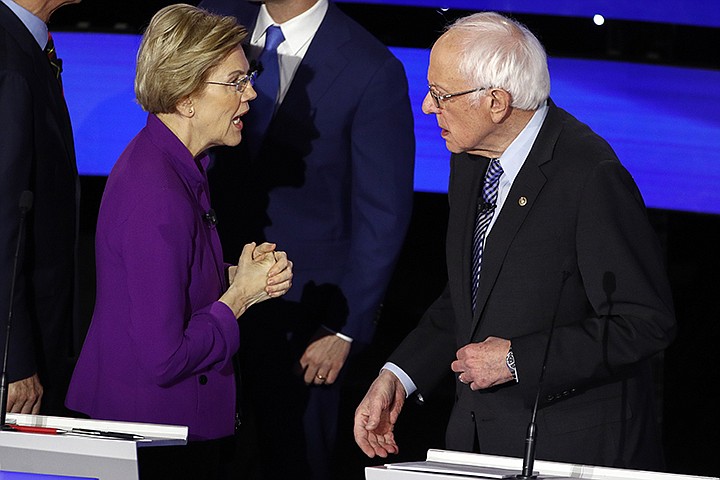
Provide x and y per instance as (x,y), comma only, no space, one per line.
(26,201)
(529,454)
(210,218)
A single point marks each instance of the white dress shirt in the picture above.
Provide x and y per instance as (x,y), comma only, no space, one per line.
(298,32)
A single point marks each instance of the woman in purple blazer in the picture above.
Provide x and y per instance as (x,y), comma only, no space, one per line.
(164,330)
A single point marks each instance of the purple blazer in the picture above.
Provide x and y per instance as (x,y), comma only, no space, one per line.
(160,345)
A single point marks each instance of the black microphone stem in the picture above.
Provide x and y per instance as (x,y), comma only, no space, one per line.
(529,455)
(26,200)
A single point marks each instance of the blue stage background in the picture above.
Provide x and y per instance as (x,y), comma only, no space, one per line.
(662,121)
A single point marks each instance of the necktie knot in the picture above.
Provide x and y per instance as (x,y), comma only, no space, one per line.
(492,181)
(273,38)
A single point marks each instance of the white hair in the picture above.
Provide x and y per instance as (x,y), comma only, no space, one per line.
(499,52)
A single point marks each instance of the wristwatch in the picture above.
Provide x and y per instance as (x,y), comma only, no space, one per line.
(510,362)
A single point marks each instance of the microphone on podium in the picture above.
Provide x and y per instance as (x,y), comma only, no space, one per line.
(531,436)
(26,201)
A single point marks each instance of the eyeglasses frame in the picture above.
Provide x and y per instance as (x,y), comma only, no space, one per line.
(441,98)
(241,83)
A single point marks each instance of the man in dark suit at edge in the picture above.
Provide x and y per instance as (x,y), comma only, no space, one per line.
(568,243)
(331,179)
(36,154)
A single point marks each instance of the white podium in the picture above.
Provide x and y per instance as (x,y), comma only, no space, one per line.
(78,455)
(448,465)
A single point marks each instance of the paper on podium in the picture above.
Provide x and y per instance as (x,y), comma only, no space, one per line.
(476,471)
(153,434)
(449,465)
(94,456)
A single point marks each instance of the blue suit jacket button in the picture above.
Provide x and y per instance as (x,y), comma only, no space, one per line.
(203,379)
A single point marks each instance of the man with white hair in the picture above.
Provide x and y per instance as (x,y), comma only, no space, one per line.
(548,247)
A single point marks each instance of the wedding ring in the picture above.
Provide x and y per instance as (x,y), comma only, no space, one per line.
(320,377)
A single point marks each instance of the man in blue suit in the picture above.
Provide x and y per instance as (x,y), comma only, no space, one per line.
(331,180)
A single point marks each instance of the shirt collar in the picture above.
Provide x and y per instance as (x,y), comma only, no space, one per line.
(298,31)
(514,156)
(37,27)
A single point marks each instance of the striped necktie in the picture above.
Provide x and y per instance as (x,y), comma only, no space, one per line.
(485,213)
(55,62)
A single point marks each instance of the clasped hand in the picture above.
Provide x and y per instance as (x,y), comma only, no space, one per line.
(261,273)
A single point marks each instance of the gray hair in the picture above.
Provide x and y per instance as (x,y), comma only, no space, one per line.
(499,52)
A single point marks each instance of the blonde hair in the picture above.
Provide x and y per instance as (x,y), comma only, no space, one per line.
(178,51)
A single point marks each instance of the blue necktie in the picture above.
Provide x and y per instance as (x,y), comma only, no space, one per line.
(266,86)
(485,213)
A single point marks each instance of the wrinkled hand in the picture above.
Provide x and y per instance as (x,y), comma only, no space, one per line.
(24,396)
(280,274)
(376,415)
(482,365)
(324,357)
(248,281)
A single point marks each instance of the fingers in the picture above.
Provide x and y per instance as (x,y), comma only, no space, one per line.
(323,358)
(362,435)
(320,374)
(374,420)
(382,445)
(25,396)
(281,264)
(248,252)
(280,282)
(262,249)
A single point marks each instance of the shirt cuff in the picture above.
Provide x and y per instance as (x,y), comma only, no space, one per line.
(404,378)
(338,334)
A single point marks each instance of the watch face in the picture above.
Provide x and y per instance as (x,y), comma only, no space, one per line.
(510,361)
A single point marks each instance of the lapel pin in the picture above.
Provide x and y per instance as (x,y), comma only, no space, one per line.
(522,201)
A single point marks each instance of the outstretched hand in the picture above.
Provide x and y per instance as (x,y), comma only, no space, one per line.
(376,415)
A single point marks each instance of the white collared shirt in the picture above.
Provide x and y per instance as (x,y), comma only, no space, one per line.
(514,156)
(37,27)
(298,32)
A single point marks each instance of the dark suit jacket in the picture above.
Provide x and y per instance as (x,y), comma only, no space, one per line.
(580,249)
(36,154)
(333,183)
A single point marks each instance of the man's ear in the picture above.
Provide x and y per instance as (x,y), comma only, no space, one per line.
(501,104)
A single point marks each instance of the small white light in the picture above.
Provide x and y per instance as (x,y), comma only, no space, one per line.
(444,9)
(598,19)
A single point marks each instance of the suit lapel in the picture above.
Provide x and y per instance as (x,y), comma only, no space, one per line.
(320,66)
(527,186)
